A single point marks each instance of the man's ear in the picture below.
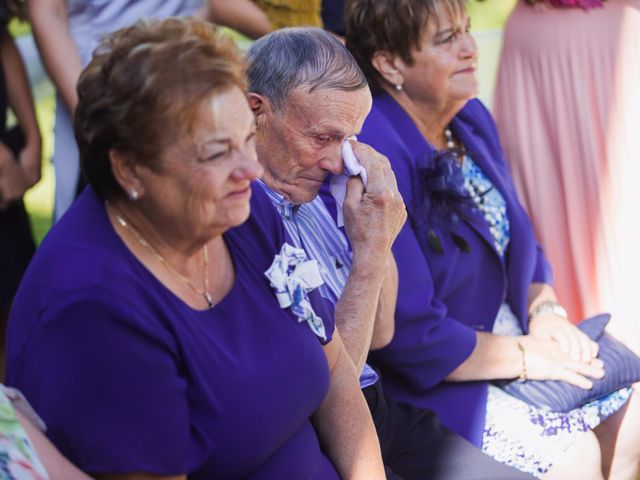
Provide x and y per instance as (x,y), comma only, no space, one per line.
(389,66)
(259,104)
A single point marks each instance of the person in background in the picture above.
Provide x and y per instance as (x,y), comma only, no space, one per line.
(67,32)
(332,12)
(25,452)
(243,16)
(135,332)
(309,96)
(20,162)
(290,13)
(570,134)
(475,300)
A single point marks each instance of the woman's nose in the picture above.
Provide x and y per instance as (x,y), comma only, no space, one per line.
(248,167)
(469,46)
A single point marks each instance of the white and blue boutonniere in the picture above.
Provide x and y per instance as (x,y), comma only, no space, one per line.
(293,275)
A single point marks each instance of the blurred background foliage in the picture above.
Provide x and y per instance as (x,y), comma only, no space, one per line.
(490,14)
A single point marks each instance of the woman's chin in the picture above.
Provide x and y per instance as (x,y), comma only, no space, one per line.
(239,215)
(239,206)
(466,90)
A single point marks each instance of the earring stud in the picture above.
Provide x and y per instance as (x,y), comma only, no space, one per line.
(134,195)
(398,87)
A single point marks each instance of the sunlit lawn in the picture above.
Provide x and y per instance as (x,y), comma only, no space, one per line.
(39,200)
(488,15)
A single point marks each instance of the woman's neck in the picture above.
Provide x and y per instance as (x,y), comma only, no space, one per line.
(431,119)
(171,243)
(188,268)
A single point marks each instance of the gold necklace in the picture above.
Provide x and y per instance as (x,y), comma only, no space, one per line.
(120,218)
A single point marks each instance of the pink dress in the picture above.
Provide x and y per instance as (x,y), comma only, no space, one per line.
(567,105)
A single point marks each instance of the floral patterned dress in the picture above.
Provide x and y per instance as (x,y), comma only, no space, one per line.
(516,433)
(18,457)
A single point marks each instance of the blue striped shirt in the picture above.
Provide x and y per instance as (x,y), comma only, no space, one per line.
(311,227)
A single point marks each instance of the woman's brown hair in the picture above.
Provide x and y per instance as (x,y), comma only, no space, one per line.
(393,26)
(143,87)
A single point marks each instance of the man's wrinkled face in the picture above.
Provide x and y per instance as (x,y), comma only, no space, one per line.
(301,143)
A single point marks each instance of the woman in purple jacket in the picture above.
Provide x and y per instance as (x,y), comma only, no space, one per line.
(475,299)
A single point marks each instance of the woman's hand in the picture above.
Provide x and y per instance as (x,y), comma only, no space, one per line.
(545,360)
(13,183)
(30,160)
(547,325)
(570,339)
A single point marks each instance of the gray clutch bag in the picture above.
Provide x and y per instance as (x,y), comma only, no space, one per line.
(621,367)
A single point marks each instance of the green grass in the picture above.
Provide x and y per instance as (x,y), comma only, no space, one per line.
(39,200)
(487,15)
(490,14)
(18,28)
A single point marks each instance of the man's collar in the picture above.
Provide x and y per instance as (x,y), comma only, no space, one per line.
(285,208)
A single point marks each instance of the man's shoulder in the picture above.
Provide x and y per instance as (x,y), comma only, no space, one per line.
(263,228)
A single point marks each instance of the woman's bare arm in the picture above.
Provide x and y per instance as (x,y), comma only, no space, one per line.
(57,466)
(21,102)
(242,15)
(50,24)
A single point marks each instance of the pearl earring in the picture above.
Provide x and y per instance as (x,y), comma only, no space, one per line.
(134,195)
(398,87)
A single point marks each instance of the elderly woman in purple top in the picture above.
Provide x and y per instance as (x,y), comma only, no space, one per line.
(145,332)
(475,299)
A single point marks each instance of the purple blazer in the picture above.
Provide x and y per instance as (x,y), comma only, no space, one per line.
(444,298)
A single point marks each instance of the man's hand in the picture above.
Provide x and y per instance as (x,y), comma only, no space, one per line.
(373,216)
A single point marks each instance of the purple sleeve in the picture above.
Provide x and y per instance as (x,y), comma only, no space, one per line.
(325,310)
(543,272)
(112,395)
(477,111)
(429,344)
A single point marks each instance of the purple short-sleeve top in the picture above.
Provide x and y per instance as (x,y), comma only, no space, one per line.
(129,378)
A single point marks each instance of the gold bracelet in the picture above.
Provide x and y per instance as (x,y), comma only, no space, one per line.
(523,373)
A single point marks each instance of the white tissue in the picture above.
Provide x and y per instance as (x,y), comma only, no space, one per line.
(338,184)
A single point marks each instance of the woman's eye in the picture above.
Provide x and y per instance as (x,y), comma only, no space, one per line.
(216,155)
(323,138)
(448,38)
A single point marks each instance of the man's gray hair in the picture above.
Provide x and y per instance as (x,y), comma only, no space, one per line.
(295,57)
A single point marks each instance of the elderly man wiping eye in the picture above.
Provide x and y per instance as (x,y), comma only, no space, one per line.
(309,96)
